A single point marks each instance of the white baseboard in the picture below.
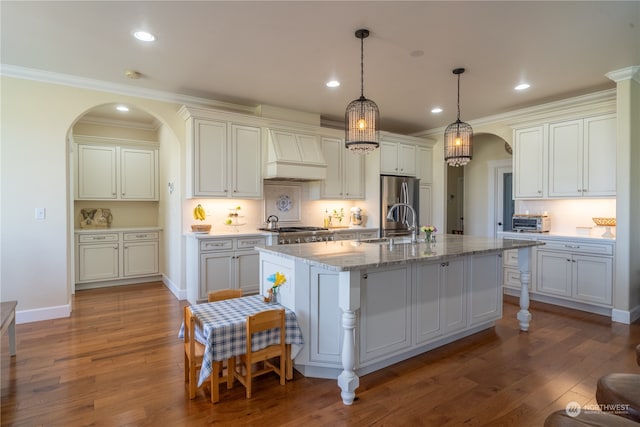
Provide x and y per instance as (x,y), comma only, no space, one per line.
(626,316)
(39,314)
(180,294)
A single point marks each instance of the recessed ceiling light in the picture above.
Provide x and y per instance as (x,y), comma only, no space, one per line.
(522,86)
(122,108)
(333,83)
(144,36)
(436,110)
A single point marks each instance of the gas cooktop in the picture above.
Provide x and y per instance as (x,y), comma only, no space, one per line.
(294,229)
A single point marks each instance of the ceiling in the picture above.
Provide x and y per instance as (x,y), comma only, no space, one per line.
(283,53)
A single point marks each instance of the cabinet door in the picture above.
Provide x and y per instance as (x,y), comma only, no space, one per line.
(592,278)
(599,177)
(98,262)
(385,319)
(140,258)
(210,158)
(528,163)
(424,214)
(246,163)
(454,301)
(325,320)
(407,159)
(353,175)
(96,173)
(138,174)
(248,271)
(485,288)
(388,158)
(216,272)
(553,275)
(331,188)
(565,159)
(424,165)
(428,316)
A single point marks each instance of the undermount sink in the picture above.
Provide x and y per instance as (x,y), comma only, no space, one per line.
(396,240)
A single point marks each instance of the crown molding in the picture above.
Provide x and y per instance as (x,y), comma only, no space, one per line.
(118,88)
(593,103)
(629,73)
(101,121)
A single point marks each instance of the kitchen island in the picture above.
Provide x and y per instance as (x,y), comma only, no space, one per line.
(366,305)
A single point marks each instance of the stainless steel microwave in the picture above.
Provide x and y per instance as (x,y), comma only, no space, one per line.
(531,223)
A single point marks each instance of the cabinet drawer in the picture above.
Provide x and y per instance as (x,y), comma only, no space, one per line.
(98,238)
(579,247)
(250,243)
(344,236)
(510,258)
(367,235)
(216,245)
(140,236)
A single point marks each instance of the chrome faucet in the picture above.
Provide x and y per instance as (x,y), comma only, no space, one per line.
(413,227)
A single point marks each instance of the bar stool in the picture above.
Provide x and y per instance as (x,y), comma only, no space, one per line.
(621,389)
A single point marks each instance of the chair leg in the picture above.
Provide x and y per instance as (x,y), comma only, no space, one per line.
(283,368)
(215,382)
(186,368)
(289,362)
(192,380)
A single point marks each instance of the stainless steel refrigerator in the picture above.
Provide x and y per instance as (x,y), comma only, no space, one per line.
(398,189)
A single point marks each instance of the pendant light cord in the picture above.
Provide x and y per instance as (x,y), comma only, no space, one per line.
(362,68)
(458,97)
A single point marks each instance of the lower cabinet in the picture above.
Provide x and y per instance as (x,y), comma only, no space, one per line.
(222,263)
(351,234)
(583,278)
(107,256)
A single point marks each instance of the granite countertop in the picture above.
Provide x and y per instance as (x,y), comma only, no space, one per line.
(347,255)
(115,229)
(558,236)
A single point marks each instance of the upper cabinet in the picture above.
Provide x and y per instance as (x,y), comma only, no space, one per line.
(424,166)
(397,158)
(528,163)
(224,158)
(109,169)
(582,156)
(572,158)
(345,173)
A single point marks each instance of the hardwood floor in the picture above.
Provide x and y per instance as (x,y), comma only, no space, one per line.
(117,361)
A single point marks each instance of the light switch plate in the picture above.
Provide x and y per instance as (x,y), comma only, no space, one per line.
(40,213)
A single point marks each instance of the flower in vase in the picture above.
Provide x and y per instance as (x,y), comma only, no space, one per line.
(277,279)
(428,229)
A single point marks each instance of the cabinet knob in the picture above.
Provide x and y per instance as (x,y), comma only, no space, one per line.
(539,191)
(568,260)
(365,276)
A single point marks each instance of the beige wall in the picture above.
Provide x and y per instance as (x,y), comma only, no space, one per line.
(36,119)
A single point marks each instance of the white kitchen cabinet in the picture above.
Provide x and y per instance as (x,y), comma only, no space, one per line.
(397,158)
(582,157)
(98,258)
(454,301)
(485,288)
(115,172)
(580,272)
(345,172)
(428,311)
(511,273)
(424,211)
(385,312)
(424,166)
(529,166)
(224,158)
(222,263)
(140,254)
(116,257)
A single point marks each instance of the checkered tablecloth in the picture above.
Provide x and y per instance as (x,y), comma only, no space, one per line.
(221,327)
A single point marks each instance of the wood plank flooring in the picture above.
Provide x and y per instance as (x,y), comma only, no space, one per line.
(117,361)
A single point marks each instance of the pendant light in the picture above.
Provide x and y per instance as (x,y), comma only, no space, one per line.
(458,137)
(362,118)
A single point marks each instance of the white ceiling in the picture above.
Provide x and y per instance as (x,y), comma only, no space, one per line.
(282,53)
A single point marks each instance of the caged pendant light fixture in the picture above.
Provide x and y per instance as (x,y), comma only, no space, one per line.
(362,118)
(458,137)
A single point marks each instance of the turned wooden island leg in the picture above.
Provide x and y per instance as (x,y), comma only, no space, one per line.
(349,301)
(524,316)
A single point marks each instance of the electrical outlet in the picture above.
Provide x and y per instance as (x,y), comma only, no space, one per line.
(41,213)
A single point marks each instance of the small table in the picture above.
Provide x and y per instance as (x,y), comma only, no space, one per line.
(8,314)
(222,327)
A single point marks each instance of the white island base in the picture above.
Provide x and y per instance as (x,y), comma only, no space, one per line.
(365,306)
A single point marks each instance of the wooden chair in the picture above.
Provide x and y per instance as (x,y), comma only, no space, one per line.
(193,353)
(258,322)
(223,294)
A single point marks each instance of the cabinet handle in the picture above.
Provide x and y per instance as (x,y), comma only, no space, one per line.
(573,260)
(113,194)
(365,276)
(99,237)
(568,260)
(252,242)
(539,191)
(445,264)
(572,246)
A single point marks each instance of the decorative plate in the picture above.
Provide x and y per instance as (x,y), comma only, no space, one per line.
(284,203)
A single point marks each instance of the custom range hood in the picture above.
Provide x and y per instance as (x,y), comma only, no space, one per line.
(294,156)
